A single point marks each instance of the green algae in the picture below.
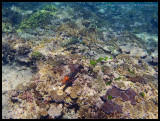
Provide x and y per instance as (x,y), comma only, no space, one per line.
(52,8)
(93,62)
(100,59)
(117,78)
(83,50)
(131,71)
(110,97)
(39,18)
(109,83)
(142,94)
(102,69)
(131,83)
(36,55)
(111,48)
(106,58)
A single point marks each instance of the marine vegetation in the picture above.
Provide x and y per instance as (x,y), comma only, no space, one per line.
(36,55)
(109,82)
(109,97)
(8,53)
(117,78)
(131,71)
(40,18)
(51,8)
(106,58)
(93,62)
(100,59)
(142,94)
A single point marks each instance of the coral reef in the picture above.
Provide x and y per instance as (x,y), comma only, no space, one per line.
(139,79)
(79,60)
(110,107)
(55,111)
(126,95)
(8,53)
(36,19)
(36,55)
(6,27)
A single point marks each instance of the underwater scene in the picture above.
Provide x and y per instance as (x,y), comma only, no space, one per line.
(79,60)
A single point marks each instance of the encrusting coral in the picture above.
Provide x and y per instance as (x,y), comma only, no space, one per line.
(126,95)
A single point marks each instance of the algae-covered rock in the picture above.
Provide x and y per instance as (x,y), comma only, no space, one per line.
(7,27)
(124,69)
(23,49)
(52,8)
(125,57)
(8,54)
(40,18)
(36,55)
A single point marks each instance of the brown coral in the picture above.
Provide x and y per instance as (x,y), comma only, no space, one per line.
(57,98)
(139,79)
(126,58)
(26,96)
(123,69)
(74,91)
(42,112)
(107,70)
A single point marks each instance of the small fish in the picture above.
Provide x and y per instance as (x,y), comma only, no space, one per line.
(66,79)
(70,78)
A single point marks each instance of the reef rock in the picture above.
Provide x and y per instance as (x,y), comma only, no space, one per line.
(106,49)
(55,111)
(126,49)
(138,52)
(92,53)
(24,60)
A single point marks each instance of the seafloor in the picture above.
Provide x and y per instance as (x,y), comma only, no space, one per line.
(79,60)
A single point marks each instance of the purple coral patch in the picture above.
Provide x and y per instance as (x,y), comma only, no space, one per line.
(126,95)
(110,107)
(132,95)
(114,92)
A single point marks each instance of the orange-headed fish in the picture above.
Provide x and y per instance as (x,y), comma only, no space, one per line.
(66,79)
(69,78)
